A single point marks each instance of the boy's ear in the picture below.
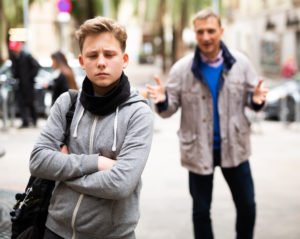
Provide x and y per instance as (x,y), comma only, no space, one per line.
(80,59)
(125,60)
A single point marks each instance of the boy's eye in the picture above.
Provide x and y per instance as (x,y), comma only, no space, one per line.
(92,56)
(109,54)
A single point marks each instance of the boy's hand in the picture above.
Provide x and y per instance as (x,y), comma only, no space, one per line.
(64,149)
(105,163)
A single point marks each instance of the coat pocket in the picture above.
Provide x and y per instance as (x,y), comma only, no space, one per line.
(188,147)
(242,137)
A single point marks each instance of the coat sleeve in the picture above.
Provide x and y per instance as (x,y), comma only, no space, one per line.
(251,81)
(173,93)
(123,178)
(47,161)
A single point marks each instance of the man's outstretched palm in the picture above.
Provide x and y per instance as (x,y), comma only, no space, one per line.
(157,92)
(259,93)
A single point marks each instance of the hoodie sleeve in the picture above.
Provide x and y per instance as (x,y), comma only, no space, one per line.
(47,161)
(123,178)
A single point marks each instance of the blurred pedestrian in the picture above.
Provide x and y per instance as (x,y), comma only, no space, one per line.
(289,68)
(64,78)
(24,69)
(98,174)
(213,86)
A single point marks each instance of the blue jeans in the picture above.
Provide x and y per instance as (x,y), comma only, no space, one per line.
(240,182)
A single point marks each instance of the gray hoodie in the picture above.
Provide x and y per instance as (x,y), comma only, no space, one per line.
(87,203)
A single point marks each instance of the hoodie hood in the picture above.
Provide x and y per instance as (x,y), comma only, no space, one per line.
(134,97)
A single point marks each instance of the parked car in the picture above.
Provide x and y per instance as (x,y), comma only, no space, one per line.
(283,102)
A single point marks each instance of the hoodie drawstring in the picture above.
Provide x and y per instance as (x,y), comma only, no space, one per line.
(76,127)
(114,147)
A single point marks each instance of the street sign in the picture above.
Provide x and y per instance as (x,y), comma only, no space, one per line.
(64,6)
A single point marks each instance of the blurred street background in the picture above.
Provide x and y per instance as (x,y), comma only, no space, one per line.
(159,33)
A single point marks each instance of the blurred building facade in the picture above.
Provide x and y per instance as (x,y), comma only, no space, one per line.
(50,30)
(268,31)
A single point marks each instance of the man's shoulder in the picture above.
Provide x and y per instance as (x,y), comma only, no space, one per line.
(26,54)
(238,54)
(242,61)
(184,62)
(187,58)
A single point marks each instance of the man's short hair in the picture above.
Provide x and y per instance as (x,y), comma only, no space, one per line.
(99,25)
(206,13)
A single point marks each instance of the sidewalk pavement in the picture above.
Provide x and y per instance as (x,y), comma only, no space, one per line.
(6,204)
(165,201)
(275,162)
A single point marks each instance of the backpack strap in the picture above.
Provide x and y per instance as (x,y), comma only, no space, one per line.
(69,116)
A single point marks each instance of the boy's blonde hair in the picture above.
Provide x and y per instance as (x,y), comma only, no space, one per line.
(100,25)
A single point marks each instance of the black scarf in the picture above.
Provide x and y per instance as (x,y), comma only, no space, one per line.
(104,105)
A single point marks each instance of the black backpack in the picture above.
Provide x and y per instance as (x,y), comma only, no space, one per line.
(30,212)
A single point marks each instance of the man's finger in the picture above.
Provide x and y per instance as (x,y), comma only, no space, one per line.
(259,84)
(157,80)
(150,88)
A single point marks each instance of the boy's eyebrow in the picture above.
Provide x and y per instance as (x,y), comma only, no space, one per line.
(96,51)
(108,48)
(111,50)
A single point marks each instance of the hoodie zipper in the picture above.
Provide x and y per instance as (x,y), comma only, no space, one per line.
(74,216)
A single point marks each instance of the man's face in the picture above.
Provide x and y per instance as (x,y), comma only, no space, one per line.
(103,61)
(208,36)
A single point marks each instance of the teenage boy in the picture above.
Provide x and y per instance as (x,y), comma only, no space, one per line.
(98,175)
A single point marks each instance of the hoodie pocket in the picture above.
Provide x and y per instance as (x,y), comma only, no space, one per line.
(94,217)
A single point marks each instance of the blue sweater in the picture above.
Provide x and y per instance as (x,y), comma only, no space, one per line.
(211,77)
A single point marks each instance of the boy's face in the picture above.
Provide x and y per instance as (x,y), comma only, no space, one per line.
(103,61)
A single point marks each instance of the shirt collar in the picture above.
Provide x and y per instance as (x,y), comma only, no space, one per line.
(217,60)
